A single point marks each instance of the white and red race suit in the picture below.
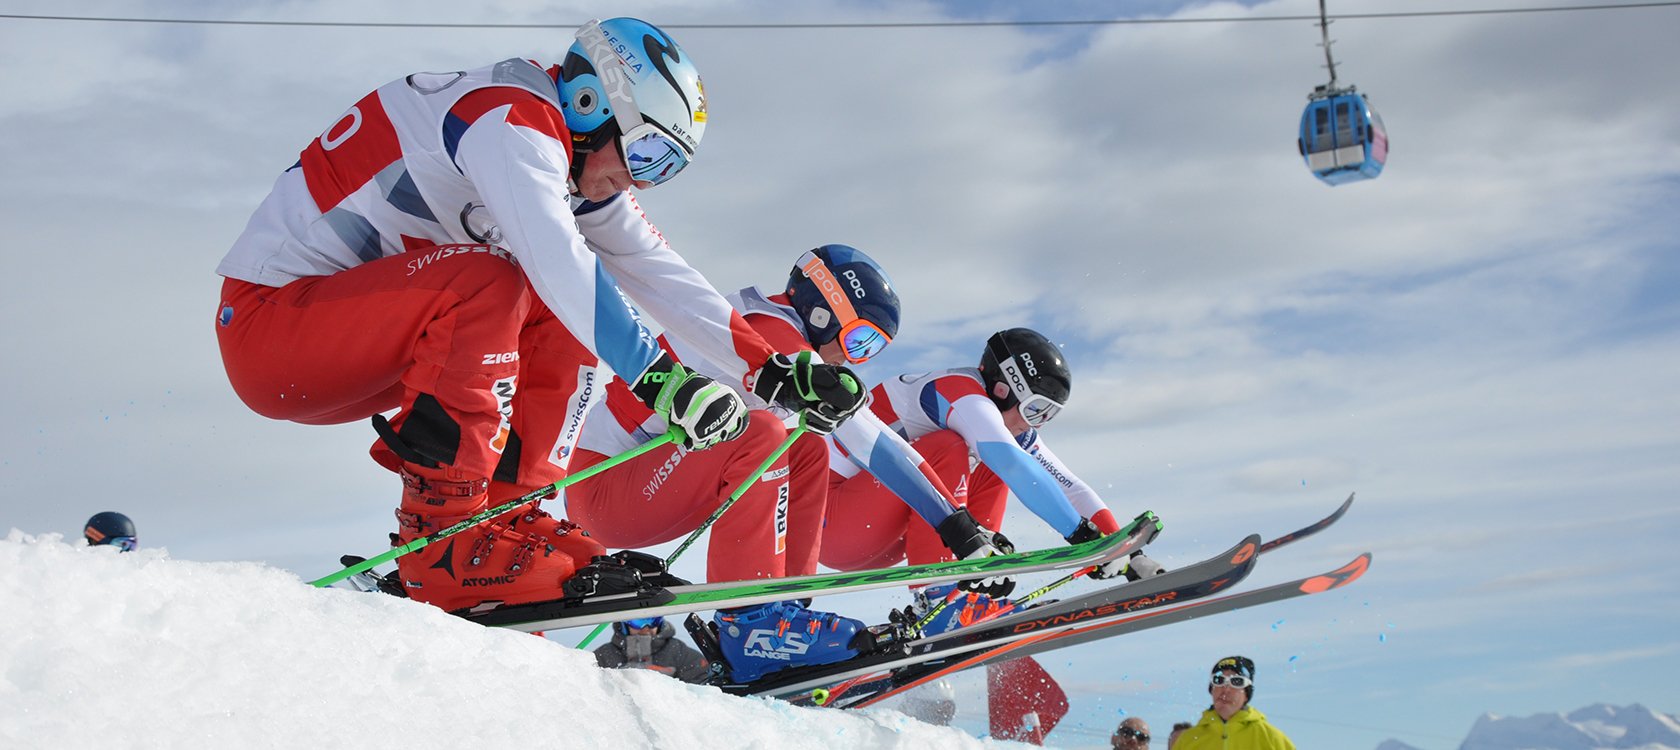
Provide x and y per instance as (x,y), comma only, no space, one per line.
(425,253)
(776,526)
(949,420)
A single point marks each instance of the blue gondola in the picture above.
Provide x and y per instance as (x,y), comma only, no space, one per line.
(1342,138)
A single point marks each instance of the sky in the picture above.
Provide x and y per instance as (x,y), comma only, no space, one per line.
(1484,343)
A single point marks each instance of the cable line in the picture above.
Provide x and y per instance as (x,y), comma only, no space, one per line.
(858,25)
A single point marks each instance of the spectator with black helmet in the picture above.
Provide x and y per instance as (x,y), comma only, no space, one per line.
(978,429)
(111,528)
(651,643)
(1231,723)
(1132,734)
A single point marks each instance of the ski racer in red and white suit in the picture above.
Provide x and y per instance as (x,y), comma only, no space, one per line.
(774,528)
(977,428)
(449,248)
(948,420)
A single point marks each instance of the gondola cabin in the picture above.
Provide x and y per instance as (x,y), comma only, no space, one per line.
(1342,137)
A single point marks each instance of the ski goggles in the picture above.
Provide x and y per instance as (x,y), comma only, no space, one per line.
(124,543)
(1133,734)
(650,153)
(644,622)
(1220,679)
(860,338)
(1037,409)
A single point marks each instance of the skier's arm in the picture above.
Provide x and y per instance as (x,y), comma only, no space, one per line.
(868,443)
(979,423)
(1084,499)
(609,656)
(666,287)
(875,448)
(512,154)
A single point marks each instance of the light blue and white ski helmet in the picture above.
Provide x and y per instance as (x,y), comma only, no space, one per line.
(626,78)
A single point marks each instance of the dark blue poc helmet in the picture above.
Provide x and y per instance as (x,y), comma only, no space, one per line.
(112,528)
(839,291)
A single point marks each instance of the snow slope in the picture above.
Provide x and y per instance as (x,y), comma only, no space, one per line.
(100,649)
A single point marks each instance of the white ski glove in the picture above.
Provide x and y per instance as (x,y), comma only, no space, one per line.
(707,411)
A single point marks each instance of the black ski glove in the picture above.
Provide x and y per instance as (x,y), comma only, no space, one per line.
(826,394)
(707,411)
(1088,531)
(967,539)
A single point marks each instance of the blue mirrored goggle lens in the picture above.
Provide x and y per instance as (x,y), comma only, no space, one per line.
(124,543)
(863,342)
(654,158)
(645,622)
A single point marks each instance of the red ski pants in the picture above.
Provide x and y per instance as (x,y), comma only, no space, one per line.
(870,527)
(485,377)
(668,492)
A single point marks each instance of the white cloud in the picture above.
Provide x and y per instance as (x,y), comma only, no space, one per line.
(1481,341)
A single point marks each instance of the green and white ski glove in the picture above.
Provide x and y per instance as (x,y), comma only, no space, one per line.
(826,394)
(707,411)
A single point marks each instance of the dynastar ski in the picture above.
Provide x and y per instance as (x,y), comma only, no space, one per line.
(1174,588)
(894,684)
(1216,573)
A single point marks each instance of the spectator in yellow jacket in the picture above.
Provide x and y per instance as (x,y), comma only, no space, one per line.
(1230,723)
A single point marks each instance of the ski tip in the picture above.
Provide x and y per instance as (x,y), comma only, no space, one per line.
(1339,577)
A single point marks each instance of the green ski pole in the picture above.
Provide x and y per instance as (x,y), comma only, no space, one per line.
(736,495)
(674,434)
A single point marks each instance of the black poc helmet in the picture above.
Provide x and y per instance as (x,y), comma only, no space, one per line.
(1034,371)
(110,527)
(1242,665)
(838,290)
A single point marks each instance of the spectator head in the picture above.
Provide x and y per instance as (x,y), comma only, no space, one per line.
(1231,683)
(1132,734)
(640,626)
(110,528)
(1177,730)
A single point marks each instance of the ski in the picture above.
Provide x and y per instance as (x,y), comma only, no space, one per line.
(584,606)
(904,680)
(868,682)
(1201,579)
(1310,529)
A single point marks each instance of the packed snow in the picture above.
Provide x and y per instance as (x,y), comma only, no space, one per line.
(101,649)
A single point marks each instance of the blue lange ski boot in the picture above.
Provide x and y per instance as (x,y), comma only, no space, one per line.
(765,638)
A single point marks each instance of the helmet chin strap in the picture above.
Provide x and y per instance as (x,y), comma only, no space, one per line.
(586,146)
